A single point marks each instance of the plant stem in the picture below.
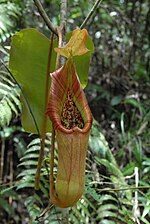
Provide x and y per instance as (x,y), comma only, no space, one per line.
(63,13)
(93,182)
(65,215)
(52,187)
(44,124)
(60,40)
(90,13)
(52,155)
(2,156)
(125,188)
(136,203)
(45,16)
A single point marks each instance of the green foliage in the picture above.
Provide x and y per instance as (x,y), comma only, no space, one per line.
(28,64)
(10,105)
(9,18)
(113,177)
(29,162)
(4,194)
(82,62)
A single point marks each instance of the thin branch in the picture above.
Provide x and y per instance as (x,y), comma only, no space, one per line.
(136,203)
(90,13)
(52,187)
(61,30)
(45,16)
(65,215)
(59,59)
(104,189)
(63,17)
(2,156)
(52,154)
(125,189)
(47,209)
(10,171)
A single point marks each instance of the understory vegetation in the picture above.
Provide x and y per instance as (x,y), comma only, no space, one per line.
(117,189)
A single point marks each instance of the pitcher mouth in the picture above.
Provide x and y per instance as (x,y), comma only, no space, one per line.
(86,128)
(70,115)
(67,106)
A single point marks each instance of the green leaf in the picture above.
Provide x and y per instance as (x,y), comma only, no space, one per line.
(132,102)
(76,44)
(93,193)
(145,221)
(105,214)
(116,100)
(25,184)
(146,210)
(97,141)
(33,208)
(9,192)
(10,105)
(28,64)
(28,163)
(107,197)
(27,172)
(78,215)
(106,207)
(128,169)
(7,207)
(82,62)
(105,221)
(30,156)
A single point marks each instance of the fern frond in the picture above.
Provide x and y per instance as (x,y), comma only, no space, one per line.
(32,207)
(116,175)
(10,105)
(9,16)
(4,194)
(6,206)
(29,163)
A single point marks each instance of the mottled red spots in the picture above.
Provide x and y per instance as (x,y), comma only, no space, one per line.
(70,116)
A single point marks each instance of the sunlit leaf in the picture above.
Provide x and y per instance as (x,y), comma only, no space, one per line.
(82,62)
(76,45)
(28,64)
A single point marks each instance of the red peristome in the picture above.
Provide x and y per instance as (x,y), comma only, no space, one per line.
(63,80)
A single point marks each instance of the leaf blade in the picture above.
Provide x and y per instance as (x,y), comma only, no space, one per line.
(28,64)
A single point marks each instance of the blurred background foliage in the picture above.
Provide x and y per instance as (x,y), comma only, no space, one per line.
(118,94)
